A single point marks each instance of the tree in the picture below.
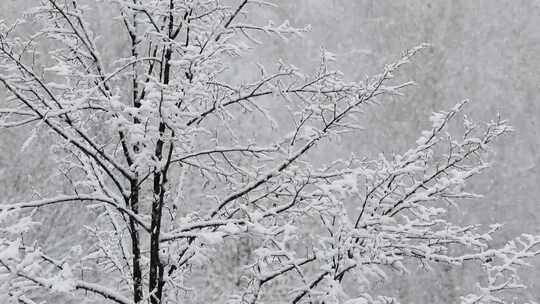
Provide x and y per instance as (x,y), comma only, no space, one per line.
(156,144)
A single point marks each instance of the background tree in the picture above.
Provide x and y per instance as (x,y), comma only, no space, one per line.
(154,145)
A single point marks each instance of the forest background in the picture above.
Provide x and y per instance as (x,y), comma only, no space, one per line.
(485,51)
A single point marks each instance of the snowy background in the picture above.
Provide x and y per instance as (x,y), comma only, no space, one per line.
(485,51)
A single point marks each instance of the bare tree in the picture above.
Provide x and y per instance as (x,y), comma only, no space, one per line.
(157,141)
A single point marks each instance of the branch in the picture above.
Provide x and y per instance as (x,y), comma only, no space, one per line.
(76,284)
(78,198)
